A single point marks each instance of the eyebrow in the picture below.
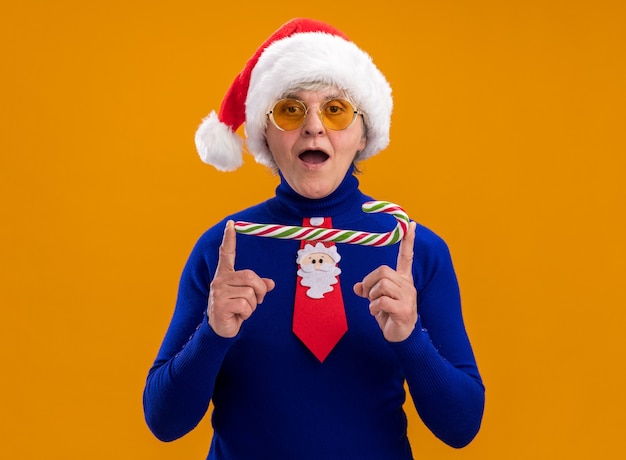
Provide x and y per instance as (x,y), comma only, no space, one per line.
(327,98)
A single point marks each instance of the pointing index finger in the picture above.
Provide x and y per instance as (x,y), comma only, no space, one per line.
(405,253)
(228,248)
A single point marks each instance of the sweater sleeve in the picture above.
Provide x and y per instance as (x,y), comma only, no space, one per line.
(437,358)
(180,383)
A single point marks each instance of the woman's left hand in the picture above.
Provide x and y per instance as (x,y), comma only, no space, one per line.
(392,294)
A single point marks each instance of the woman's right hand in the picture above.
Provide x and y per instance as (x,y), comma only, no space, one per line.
(234,294)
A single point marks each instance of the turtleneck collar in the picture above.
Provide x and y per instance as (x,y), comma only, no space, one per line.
(345,197)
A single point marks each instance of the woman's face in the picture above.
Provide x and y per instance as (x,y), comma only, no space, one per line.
(312,158)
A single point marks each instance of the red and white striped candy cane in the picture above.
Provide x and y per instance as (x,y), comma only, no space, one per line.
(290,232)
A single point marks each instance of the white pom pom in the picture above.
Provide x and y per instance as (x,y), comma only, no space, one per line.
(218,145)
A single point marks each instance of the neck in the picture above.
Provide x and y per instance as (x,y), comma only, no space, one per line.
(340,200)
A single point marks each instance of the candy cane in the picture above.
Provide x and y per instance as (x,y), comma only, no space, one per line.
(290,232)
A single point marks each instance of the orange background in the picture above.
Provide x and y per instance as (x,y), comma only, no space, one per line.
(507,139)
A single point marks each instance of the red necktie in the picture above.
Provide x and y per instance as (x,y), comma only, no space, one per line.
(319,318)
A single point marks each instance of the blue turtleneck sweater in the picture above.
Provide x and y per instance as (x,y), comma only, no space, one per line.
(272,399)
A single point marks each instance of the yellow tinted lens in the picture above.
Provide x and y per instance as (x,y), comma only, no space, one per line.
(337,114)
(288,114)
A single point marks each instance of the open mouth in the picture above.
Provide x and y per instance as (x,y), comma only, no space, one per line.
(313,157)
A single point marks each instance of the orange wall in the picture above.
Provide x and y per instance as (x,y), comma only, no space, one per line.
(507,139)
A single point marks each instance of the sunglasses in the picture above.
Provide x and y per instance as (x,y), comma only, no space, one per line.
(335,114)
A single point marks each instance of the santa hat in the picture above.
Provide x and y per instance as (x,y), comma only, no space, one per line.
(301,51)
(319,248)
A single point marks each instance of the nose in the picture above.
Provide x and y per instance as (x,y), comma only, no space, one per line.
(313,123)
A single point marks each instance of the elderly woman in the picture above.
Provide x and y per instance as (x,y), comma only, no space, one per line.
(304,347)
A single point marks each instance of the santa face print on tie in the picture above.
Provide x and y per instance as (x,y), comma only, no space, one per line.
(318,269)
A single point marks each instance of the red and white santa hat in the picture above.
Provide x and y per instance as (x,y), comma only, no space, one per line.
(300,51)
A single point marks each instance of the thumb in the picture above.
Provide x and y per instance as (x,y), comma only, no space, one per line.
(405,253)
(227,250)
(358,289)
(269,284)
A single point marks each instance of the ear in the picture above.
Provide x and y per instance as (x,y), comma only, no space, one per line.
(362,144)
